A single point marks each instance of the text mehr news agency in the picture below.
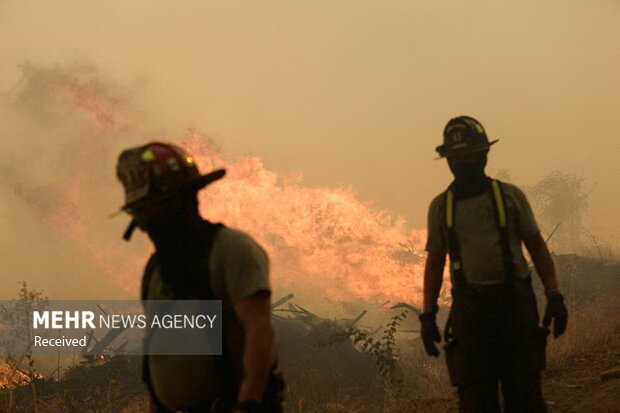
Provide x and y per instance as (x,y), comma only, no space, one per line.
(87,319)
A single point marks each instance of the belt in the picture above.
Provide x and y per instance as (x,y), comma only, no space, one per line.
(491,288)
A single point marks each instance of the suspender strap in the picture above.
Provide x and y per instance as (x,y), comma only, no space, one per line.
(499,204)
(502,224)
(454,251)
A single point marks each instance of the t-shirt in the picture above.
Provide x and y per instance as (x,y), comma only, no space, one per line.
(238,269)
(478,234)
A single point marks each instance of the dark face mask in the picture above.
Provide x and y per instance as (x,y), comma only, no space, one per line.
(176,237)
(468,172)
(167,221)
(469,177)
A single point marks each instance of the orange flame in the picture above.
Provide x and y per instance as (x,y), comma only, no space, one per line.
(321,240)
(11,377)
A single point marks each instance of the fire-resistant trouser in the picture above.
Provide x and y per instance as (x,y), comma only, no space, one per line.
(521,394)
(493,337)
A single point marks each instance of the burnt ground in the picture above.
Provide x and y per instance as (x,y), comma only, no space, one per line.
(577,385)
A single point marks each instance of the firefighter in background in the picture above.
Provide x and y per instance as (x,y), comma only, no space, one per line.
(197,259)
(492,335)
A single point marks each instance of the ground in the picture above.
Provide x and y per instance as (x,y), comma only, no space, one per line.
(577,387)
(571,382)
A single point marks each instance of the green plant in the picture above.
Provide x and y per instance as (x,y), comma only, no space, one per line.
(382,349)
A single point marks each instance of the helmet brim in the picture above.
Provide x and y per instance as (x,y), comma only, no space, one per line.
(196,184)
(209,178)
(473,150)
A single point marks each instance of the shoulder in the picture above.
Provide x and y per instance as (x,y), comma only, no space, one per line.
(438,201)
(234,237)
(239,265)
(233,242)
(510,188)
(437,206)
(514,192)
(436,211)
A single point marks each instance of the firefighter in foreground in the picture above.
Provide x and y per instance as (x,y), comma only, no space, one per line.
(492,335)
(196,259)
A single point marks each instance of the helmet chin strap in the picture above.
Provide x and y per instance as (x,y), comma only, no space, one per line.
(130,229)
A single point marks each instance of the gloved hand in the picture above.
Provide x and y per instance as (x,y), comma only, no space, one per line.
(430,333)
(556,311)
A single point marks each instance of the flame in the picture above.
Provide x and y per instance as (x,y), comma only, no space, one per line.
(321,240)
(11,377)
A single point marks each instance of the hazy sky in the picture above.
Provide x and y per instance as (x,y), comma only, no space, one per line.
(357,92)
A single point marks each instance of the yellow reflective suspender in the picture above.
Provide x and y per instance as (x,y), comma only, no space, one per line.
(456,268)
(449,209)
(502,223)
(499,203)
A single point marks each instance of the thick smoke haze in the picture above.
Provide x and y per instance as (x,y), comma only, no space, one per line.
(348,94)
(57,186)
(322,241)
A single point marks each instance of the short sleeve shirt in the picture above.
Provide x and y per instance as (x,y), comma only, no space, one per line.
(478,235)
(238,269)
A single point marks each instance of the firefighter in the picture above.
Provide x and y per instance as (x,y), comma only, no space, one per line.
(492,335)
(197,259)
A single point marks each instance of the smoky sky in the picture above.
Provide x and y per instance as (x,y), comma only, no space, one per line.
(353,92)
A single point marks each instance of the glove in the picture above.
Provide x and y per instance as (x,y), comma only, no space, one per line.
(556,311)
(430,333)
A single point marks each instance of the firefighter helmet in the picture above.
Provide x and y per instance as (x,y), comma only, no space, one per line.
(462,135)
(157,171)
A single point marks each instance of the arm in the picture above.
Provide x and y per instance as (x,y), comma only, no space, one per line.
(255,316)
(433,278)
(245,268)
(543,262)
(534,242)
(556,310)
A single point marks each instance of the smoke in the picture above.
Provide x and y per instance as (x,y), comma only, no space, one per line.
(65,125)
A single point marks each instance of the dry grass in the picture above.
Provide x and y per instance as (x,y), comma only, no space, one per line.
(590,325)
(425,385)
(425,388)
(112,401)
